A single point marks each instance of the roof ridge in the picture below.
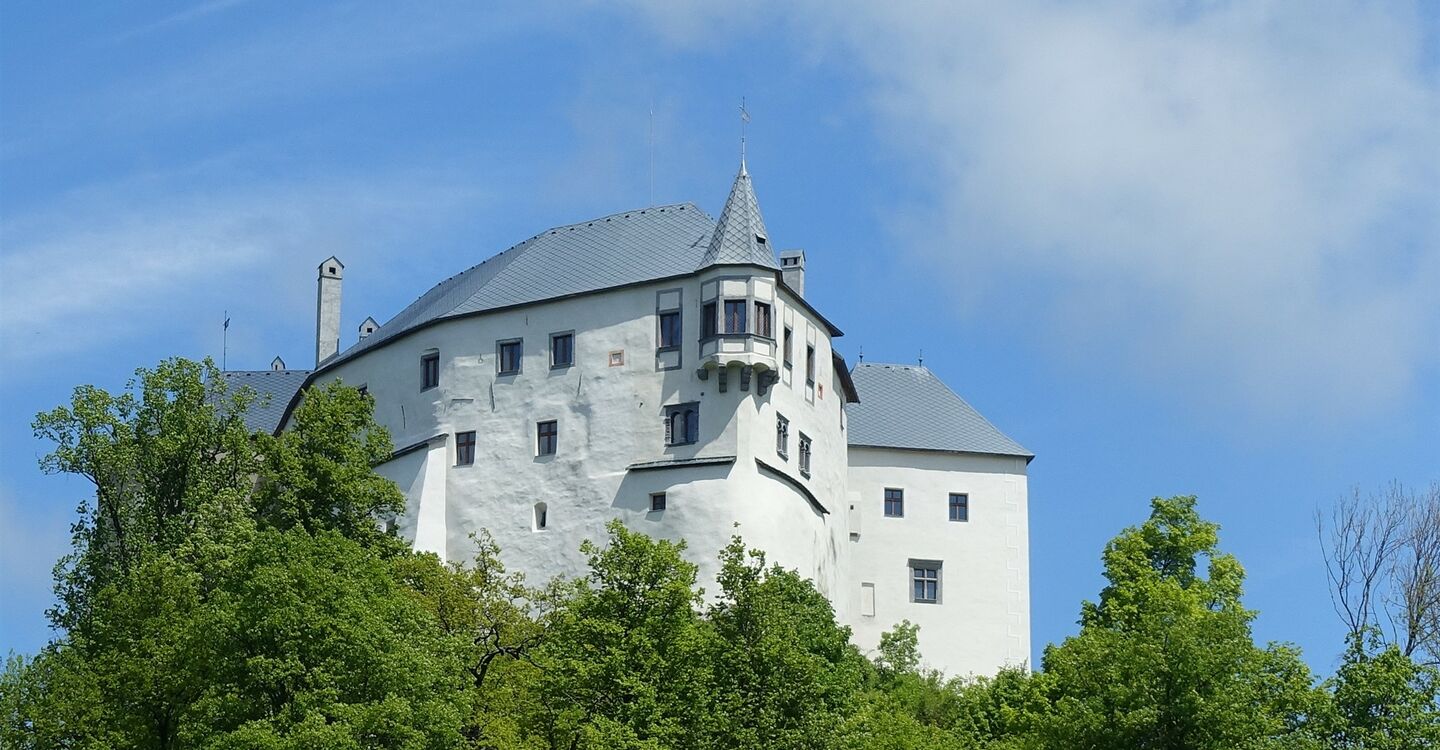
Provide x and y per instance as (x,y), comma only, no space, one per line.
(625,214)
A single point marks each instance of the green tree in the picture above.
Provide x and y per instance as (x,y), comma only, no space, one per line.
(1382,700)
(1165,659)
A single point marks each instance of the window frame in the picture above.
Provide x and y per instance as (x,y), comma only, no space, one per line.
(768,318)
(963,506)
(805,455)
(465,449)
(658,507)
(429,370)
(898,500)
(926,574)
(709,319)
(810,364)
(741,326)
(541,435)
(789,347)
(690,424)
(782,437)
(679,330)
(554,337)
(500,347)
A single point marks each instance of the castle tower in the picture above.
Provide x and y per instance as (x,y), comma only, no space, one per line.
(327,310)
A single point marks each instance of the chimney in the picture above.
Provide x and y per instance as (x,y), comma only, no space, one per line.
(277,364)
(792,270)
(327,310)
(368,327)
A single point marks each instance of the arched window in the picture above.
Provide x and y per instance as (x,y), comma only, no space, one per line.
(541,519)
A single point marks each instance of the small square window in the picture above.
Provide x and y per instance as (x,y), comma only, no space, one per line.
(617,358)
(670,329)
(735,315)
(508,356)
(894,503)
(429,371)
(464,448)
(546,437)
(657,501)
(682,424)
(804,455)
(959,506)
(925,582)
(562,350)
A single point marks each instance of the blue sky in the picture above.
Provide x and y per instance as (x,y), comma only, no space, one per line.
(1172,248)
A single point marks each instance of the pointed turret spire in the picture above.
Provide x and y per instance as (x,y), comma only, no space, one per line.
(740,236)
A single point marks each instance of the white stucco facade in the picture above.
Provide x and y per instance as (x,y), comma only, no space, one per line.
(610,406)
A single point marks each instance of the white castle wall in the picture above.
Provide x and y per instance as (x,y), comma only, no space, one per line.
(983,619)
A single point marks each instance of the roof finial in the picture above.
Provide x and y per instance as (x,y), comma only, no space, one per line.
(922,358)
(862,353)
(744,118)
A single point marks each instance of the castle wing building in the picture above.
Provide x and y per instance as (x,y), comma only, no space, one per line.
(663,368)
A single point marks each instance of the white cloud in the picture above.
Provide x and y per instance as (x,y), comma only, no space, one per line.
(122,261)
(1237,196)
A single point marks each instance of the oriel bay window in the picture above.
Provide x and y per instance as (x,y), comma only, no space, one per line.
(735,315)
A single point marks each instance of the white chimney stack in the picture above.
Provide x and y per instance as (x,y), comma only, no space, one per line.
(327,310)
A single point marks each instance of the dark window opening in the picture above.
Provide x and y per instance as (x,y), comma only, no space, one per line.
(735,315)
(810,365)
(959,506)
(789,349)
(669,329)
(682,424)
(894,503)
(762,319)
(657,501)
(508,357)
(542,516)
(429,371)
(464,448)
(562,349)
(546,437)
(804,455)
(707,320)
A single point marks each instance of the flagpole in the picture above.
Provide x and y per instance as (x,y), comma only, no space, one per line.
(225,343)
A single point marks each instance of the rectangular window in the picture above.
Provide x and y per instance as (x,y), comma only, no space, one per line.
(707,320)
(546,436)
(925,580)
(959,506)
(782,437)
(507,357)
(735,315)
(562,350)
(762,319)
(429,371)
(789,349)
(657,501)
(670,329)
(682,424)
(464,448)
(810,365)
(804,455)
(894,502)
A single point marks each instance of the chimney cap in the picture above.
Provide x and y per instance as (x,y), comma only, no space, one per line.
(277,364)
(331,267)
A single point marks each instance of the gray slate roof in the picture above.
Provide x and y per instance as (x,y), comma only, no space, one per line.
(273,388)
(740,237)
(610,251)
(907,406)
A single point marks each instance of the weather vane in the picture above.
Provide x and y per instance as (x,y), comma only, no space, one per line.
(744,118)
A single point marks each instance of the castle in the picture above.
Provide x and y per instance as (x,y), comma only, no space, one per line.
(665,369)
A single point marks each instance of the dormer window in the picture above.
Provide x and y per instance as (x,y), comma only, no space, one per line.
(759,240)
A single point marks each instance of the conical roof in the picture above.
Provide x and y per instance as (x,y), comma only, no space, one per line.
(740,236)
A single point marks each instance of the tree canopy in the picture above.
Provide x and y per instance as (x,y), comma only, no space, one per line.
(236,590)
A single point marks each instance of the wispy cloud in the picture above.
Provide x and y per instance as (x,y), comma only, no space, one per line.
(1236,198)
(122,260)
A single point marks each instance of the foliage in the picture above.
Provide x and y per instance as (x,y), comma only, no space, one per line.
(231,590)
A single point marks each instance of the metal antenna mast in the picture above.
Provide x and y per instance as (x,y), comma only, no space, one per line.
(225,342)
